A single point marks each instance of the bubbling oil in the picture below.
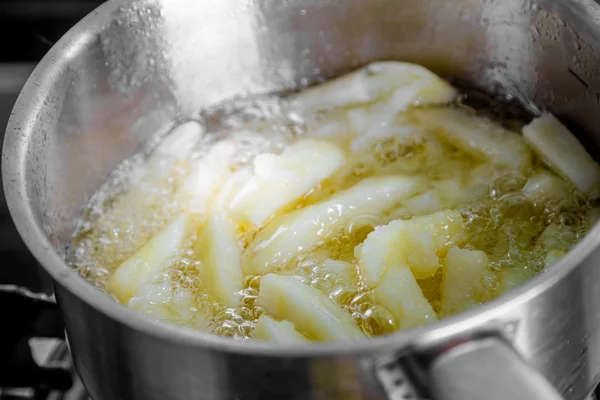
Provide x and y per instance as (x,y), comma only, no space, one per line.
(513,231)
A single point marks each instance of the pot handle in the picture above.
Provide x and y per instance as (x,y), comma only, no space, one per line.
(487,368)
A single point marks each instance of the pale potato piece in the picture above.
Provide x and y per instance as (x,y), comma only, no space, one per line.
(278,180)
(509,279)
(478,184)
(149,261)
(545,185)
(408,84)
(286,236)
(464,278)
(229,190)
(199,189)
(563,153)
(180,141)
(482,174)
(421,251)
(175,147)
(425,203)
(476,136)
(445,194)
(159,301)
(343,270)
(557,237)
(219,250)
(450,190)
(371,124)
(400,294)
(593,215)
(553,256)
(268,328)
(312,312)
(333,125)
(417,242)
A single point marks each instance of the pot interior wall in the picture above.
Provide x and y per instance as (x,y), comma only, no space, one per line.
(117,81)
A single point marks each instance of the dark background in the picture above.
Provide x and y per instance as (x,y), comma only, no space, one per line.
(28,29)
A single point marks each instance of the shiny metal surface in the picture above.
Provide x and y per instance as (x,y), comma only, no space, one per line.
(487,369)
(131,68)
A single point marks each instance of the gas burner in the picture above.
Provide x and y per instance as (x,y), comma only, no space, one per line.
(34,360)
(49,353)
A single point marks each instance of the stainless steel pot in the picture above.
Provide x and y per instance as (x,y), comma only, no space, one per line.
(130,69)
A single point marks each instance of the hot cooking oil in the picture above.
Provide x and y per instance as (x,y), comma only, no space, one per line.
(515,232)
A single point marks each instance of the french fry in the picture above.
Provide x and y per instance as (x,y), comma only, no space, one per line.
(268,328)
(219,250)
(418,243)
(312,312)
(149,261)
(400,294)
(278,180)
(464,277)
(508,279)
(563,153)
(286,236)
(544,185)
(476,136)
(199,189)
(408,84)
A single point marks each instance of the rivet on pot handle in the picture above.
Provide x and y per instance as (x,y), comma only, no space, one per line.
(487,368)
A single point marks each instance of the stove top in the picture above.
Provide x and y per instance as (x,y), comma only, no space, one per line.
(49,353)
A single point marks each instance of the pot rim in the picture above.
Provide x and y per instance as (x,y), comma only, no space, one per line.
(14,165)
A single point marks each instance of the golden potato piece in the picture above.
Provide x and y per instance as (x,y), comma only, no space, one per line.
(407,84)
(557,237)
(278,180)
(399,293)
(312,312)
(175,147)
(345,271)
(158,301)
(268,328)
(509,279)
(219,250)
(149,261)
(563,153)
(476,136)
(199,189)
(286,236)
(180,141)
(425,203)
(544,185)
(464,278)
(444,194)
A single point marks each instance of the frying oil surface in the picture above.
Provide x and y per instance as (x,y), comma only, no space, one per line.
(383,175)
